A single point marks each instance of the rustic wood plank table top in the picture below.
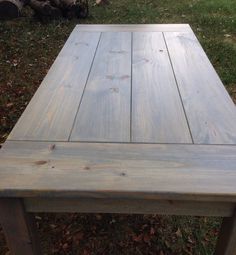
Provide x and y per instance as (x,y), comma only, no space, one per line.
(130,118)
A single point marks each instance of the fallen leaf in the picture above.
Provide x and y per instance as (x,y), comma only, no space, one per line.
(99,2)
(9,104)
(152,231)
(146,238)
(137,238)
(178,233)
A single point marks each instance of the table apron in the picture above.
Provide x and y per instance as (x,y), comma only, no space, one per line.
(131,206)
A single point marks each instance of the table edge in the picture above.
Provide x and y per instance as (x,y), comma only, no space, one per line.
(33,160)
(134,27)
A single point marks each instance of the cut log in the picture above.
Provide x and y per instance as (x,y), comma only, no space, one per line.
(45,9)
(10,9)
(84,9)
(69,8)
(72,8)
(102,2)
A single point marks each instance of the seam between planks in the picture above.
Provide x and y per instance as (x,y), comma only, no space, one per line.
(85,86)
(176,82)
(105,142)
(131,87)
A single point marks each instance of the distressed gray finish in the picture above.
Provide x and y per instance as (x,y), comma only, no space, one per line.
(210,110)
(226,244)
(129,119)
(136,27)
(152,86)
(157,112)
(52,110)
(143,206)
(19,227)
(160,171)
(104,114)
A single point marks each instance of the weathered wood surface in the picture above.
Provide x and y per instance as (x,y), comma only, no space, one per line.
(144,206)
(226,244)
(104,114)
(188,172)
(127,86)
(210,111)
(19,227)
(157,112)
(136,28)
(51,112)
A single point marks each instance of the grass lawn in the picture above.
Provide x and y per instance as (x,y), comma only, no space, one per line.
(27,50)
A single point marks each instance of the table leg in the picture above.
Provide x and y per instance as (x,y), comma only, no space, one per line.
(226,244)
(19,227)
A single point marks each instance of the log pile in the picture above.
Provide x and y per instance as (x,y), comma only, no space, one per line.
(10,8)
(45,9)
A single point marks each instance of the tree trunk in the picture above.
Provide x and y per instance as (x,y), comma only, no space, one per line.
(10,9)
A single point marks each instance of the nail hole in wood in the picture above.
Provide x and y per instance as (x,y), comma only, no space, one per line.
(114,90)
(52,147)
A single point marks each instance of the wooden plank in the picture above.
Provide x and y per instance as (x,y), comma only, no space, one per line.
(136,206)
(51,112)
(19,227)
(104,114)
(151,171)
(210,110)
(157,112)
(135,27)
(226,244)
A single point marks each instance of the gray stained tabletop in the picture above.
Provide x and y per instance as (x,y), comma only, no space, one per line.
(126,109)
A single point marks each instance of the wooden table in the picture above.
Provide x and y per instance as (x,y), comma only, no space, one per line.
(129,119)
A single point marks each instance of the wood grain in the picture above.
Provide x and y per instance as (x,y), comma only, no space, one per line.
(51,112)
(19,227)
(104,114)
(148,206)
(157,112)
(87,96)
(226,244)
(210,111)
(183,172)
